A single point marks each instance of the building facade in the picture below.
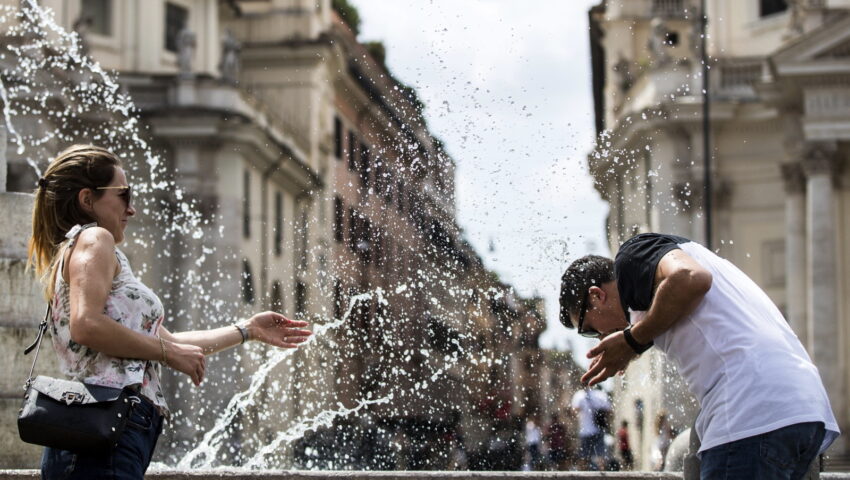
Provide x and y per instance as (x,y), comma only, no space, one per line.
(778,117)
(294,172)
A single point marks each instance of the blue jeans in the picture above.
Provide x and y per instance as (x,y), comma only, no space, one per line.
(127,461)
(785,453)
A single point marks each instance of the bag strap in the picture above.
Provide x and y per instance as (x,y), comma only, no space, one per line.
(42,327)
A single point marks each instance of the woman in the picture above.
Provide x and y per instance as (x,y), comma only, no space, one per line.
(106,325)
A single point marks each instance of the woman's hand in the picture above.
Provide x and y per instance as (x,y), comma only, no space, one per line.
(275,329)
(188,359)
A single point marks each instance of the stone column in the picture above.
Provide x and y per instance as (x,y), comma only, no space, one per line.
(795,250)
(820,164)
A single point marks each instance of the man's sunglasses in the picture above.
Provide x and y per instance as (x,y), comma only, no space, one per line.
(126,192)
(590,332)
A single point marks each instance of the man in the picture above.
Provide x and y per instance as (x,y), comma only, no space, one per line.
(590,405)
(764,411)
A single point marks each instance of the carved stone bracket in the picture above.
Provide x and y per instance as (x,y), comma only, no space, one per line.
(722,193)
(795,179)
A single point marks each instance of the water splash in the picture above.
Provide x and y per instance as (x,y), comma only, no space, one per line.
(204,454)
(323,419)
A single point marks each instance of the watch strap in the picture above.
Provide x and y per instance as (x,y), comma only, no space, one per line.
(630,339)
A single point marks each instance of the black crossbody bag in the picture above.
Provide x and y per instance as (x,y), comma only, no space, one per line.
(69,415)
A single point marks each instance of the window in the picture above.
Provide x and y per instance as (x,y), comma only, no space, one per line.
(361,316)
(388,253)
(378,246)
(300,299)
(647,193)
(770,7)
(621,207)
(337,299)
(339,219)
(99,12)
(176,18)
(387,188)
(773,263)
(380,177)
(305,234)
(365,166)
(366,241)
(246,204)
(412,201)
(278,223)
(360,237)
(338,138)
(277,296)
(352,155)
(352,229)
(247,283)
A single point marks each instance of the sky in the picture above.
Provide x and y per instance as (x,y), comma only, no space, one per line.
(506,85)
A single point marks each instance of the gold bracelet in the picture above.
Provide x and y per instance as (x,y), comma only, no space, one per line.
(162,347)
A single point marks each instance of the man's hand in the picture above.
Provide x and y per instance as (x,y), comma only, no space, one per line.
(611,356)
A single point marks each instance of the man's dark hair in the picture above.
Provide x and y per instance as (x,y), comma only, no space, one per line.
(586,272)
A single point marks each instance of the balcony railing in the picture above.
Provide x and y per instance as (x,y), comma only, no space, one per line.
(669,8)
(736,78)
(650,9)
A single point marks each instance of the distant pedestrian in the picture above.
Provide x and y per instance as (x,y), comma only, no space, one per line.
(664,438)
(556,437)
(590,404)
(624,446)
(533,439)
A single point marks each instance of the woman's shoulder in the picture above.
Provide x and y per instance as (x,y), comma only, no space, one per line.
(97,238)
(94,243)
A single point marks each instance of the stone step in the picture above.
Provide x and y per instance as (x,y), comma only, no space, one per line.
(837,463)
(351,475)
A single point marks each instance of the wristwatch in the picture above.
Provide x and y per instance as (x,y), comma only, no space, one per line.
(637,347)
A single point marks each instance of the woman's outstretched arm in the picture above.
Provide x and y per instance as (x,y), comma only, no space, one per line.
(267,327)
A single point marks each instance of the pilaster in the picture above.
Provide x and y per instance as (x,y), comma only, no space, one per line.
(795,250)
(820,164)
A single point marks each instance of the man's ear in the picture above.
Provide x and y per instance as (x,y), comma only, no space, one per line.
(597,295)
(86,199)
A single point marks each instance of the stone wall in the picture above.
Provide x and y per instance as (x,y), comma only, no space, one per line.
(21,309)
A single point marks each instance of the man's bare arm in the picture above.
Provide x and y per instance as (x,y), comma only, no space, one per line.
(680,285)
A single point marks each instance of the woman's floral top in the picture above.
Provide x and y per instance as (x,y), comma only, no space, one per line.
(130,303)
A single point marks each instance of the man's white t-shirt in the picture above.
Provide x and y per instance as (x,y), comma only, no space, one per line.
(736,352)
(587,402)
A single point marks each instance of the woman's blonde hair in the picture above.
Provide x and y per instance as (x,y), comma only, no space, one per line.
(57,208)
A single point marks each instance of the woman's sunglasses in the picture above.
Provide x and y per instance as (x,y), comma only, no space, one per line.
(126,192)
